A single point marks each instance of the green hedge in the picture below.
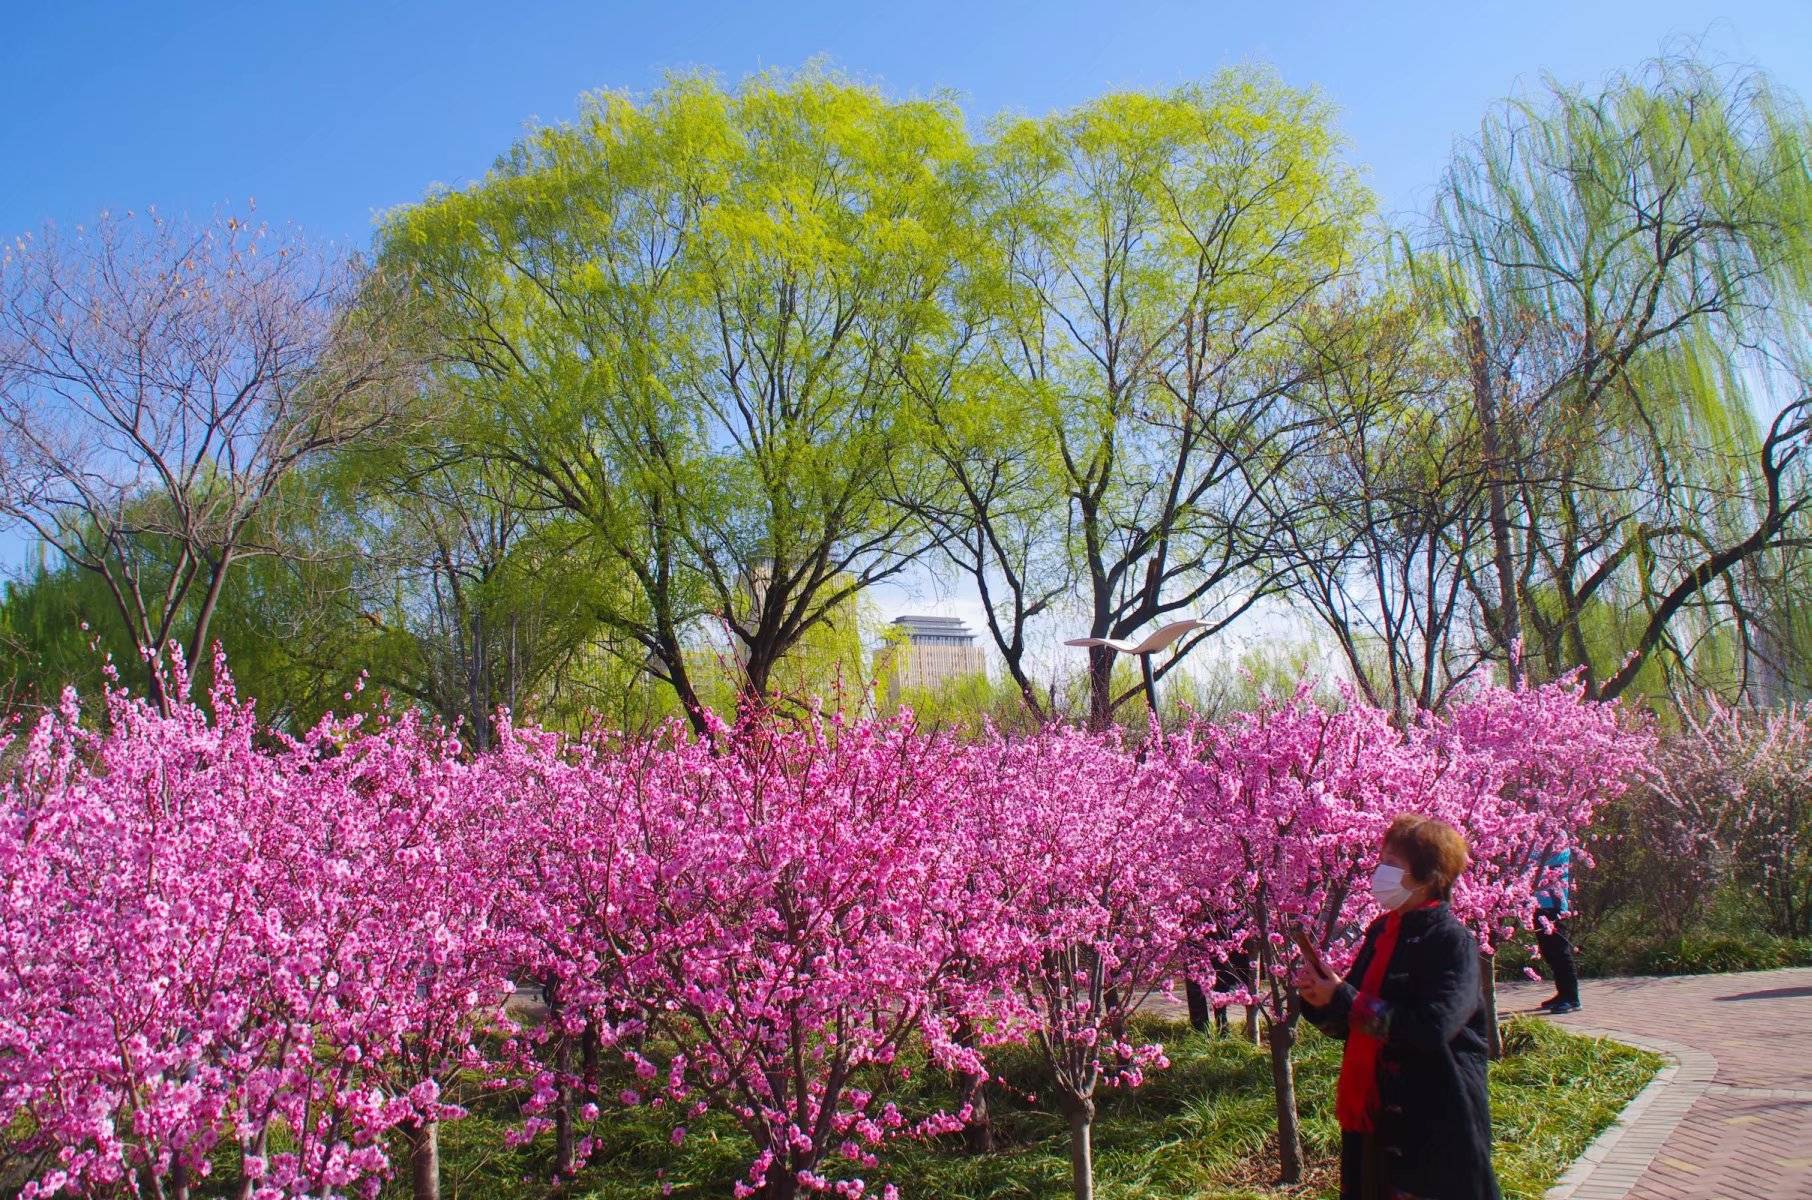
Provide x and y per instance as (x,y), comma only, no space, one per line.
(1697,953)
(1728,936)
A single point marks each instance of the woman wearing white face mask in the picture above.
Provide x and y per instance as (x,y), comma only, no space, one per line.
(1415,1122)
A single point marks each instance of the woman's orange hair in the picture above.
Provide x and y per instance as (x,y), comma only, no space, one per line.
(1435,851)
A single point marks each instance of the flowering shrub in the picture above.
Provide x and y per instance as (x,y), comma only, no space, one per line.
(210,937)
(216,937)
(1738,782)
(1292,801)
(1523,772)
(1084,901)
(800,920)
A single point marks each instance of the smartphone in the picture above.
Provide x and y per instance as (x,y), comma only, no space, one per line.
(1309,952)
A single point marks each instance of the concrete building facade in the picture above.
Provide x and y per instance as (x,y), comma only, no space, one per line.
(936,651)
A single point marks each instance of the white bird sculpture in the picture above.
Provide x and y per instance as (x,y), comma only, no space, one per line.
(1155,641)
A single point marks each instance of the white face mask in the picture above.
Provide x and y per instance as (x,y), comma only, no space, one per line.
(1388,889)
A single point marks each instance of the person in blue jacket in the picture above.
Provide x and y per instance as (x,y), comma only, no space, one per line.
(1551,908)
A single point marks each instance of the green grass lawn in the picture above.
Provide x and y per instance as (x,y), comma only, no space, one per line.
(1201,1129)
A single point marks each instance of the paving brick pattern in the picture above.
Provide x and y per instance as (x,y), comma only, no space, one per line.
(1731,1117)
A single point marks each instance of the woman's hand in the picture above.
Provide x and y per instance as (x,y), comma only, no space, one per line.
(1315,986)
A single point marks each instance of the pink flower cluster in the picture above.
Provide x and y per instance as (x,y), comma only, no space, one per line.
(1292,802)
(213,935)
(212,932)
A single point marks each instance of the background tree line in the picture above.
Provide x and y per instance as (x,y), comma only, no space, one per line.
(637,423)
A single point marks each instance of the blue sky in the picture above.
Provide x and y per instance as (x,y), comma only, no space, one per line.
(329,113)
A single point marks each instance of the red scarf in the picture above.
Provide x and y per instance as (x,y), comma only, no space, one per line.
(1356,1098)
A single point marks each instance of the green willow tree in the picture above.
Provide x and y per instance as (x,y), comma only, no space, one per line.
(1628,271)
(1126,343)
(682,321)
(459,593)
(275,615)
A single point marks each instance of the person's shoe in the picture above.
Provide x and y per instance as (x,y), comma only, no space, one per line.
(1563,1007)
(1550,1002)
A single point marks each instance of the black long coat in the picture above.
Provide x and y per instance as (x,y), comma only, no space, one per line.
(1434,1130)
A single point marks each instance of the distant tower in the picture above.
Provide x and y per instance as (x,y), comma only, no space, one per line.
(937,650)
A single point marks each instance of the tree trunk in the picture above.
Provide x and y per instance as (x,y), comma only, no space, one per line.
(782,1184)
(670,653)
(424,1159)
(248,1186)
(978,1134)
(757,675)
(588,1057)
(1494,1036)
(1199,1010)
(1100,688)
(1509,622)
(198,640)
(563,1081)
(971,1089)
(1252,1024)
(563,1108)
(1081,1112)
(179,1180)
(1283,1082)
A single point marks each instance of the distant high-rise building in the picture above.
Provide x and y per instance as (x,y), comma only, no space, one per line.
(937,650)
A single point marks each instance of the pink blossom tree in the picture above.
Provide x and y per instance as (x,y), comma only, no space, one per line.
(133,979)
(580,901)
(1522,771)
(1085,908)
(799,883)
(418,971)
(1296,798)
(1292,799)
(217,933)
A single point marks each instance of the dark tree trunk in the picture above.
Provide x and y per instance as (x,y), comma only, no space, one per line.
(1100,688)
(589,1054)
(1509,621)
(564,1138)
(681,683)
(198,640)
(1199,1012)
(978,1134)
(971,1089)
(424,1159)
(782,1183)
(1283,1081)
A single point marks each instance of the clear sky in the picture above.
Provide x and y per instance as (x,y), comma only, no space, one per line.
(328,113)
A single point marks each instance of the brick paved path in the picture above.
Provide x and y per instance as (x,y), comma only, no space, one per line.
(1732,1118)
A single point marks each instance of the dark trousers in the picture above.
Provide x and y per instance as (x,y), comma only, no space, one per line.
(1360,1176)
(1557,951)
